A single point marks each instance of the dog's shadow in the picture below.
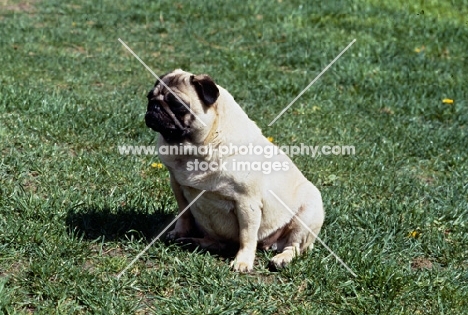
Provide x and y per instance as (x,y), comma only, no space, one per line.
(127,224)
(118,224)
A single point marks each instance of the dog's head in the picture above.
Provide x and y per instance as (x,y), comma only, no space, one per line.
(183,108)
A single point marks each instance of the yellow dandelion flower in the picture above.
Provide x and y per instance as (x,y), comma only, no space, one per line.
(156,165)
(447,101)
(414,234)
(419,49)
(270,139)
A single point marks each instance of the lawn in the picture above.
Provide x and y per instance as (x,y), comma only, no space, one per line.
(74,212)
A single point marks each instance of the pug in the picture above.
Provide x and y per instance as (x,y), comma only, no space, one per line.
(237,200)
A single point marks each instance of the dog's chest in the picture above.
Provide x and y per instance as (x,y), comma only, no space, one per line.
(209,202)
(214,213)
(220,183)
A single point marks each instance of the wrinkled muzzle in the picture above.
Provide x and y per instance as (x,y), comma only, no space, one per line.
(162,119)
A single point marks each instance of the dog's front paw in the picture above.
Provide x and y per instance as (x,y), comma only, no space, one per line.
(176,234)
(186,240)
(241,266)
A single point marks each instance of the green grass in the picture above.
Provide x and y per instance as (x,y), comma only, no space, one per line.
(74,213)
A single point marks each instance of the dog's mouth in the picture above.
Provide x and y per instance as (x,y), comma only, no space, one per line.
(165,115)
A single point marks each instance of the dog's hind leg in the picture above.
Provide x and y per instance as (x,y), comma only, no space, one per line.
(301,233)
(298,241)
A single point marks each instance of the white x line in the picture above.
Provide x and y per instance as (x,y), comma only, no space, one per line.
(310,84)
(316,236)
(157,237)
(161,81)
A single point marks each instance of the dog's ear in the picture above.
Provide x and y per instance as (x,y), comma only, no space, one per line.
(206,89)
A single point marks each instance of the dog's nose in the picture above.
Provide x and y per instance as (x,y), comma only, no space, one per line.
(150,95)
(153,106)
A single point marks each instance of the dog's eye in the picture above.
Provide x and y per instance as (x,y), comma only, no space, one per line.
(174,103)
(150,95)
